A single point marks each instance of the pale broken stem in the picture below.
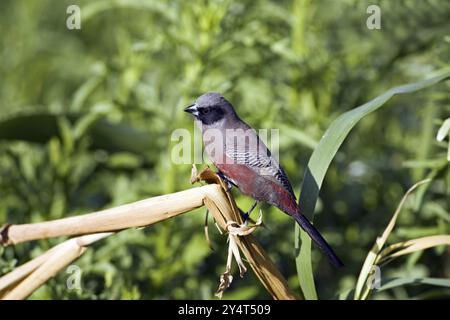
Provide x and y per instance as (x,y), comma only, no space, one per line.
(24,270)
(260,262)
(35,273)
(138,214)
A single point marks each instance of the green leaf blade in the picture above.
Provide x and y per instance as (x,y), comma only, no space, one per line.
(320,161)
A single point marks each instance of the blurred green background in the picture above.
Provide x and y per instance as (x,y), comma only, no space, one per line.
(86,118)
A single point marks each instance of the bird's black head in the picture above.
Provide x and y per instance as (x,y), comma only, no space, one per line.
(210,108)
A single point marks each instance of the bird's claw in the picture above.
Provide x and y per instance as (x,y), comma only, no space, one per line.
(246,215)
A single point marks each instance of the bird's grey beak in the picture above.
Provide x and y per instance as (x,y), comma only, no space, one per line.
(192,109)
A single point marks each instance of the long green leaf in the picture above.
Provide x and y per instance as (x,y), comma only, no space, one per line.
(318,165)
(398,282)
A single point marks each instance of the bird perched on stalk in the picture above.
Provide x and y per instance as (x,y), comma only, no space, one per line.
(244,161)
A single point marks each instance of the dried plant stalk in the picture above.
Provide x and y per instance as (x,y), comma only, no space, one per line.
(260,262)
(137,214)
(25,279)
(57,261)
(18,274)
(35,273)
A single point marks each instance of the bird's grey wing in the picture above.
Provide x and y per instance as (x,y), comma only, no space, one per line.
(254,154)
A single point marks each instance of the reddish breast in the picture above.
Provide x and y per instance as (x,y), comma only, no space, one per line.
(240,174)
(258,187)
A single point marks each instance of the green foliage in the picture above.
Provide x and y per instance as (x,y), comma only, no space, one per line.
(86,118)
(319,163)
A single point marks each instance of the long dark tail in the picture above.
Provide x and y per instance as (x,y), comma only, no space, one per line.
(318,239)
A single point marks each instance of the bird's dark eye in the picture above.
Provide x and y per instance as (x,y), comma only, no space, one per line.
(205,110)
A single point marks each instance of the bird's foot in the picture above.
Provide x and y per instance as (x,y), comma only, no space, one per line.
(246,215)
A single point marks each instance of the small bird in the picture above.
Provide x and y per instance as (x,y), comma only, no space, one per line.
(244,161)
